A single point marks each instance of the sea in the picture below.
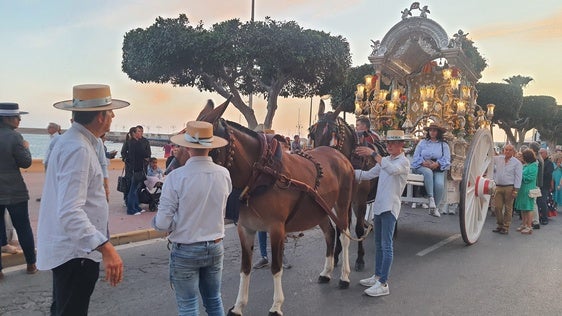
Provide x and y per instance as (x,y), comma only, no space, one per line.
(38,144)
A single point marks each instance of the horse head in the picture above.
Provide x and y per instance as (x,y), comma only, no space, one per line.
(331,130)
(243,143)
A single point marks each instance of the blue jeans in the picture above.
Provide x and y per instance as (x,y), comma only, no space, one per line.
(133,198)
(434,182)
(384,249)
(262,239)
(197,268)
(19,215)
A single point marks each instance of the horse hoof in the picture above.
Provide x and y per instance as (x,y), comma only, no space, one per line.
(323,279)
(230,313)
(343,285)
(274,314)
(359,266)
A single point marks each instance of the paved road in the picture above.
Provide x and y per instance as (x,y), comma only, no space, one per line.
(500,275)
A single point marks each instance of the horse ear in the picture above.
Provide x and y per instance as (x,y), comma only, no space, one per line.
(321,108)
(206,109)
(214,114)
(337,111)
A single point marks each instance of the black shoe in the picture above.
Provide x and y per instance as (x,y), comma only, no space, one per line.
(497,230)
(544,221)
(536,226)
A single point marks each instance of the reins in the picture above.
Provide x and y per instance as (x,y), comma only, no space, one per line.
(265,166)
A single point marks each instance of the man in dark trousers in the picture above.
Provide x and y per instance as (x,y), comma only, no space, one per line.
(546,187)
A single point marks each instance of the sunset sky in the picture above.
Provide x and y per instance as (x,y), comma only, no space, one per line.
(49,46)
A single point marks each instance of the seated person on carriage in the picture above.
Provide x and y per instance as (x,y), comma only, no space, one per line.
(364,132)
(432,158)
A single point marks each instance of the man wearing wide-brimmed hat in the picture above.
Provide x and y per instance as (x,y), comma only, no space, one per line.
(392,172)
(73,235)
(192,208)
(15,154)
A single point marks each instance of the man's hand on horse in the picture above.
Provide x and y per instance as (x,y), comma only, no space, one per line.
(364,151)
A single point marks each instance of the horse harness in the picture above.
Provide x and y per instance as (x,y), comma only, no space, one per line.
(267,170)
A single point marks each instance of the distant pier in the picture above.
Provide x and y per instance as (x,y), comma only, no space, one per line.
(155,139)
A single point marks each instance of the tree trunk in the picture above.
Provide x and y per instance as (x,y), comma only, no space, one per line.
(510,137)
(272,96)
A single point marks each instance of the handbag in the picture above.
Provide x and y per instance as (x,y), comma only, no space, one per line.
(535,193)
(123,183)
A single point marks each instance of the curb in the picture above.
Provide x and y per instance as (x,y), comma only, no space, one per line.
(10,260)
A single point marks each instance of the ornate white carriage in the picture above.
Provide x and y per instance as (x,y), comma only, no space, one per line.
(423,76)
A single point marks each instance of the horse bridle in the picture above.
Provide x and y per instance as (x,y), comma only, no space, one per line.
(338,126)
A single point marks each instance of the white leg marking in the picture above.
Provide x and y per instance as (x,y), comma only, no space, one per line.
(278,296)
(328,267)
(243,290)
(345,268)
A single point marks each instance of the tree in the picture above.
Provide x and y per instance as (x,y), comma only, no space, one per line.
(520,81)
(344,95)
(269,58)
(544,115)
(508,100)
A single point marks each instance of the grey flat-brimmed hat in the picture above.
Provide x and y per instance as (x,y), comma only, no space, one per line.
(10,109)
(91,97)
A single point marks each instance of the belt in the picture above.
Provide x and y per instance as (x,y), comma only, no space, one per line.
(504,185)
(216,241)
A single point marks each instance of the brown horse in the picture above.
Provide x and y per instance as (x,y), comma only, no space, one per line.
(331,130)
(283,193)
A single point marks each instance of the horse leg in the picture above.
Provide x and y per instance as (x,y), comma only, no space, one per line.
(247,242)
(338,248)
(329,236)
(277,238)
(345,268)
(359,232)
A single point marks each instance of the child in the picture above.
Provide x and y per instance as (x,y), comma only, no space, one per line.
(153,170)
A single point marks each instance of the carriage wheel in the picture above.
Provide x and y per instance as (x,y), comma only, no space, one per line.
(475,187)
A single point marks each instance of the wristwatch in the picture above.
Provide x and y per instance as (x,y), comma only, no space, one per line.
(374,154)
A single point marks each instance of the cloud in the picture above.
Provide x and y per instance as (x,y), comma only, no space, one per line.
(547,29)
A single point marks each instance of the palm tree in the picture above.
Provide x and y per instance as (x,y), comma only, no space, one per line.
(520,81)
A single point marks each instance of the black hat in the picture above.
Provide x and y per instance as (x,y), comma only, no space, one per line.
(10,109)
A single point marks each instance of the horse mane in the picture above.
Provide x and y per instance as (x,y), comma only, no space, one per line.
(242,128)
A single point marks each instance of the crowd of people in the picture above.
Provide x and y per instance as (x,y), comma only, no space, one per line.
(527,181)
(72,234)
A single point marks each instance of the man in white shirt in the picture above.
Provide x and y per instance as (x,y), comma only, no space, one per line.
(73,232)
(192,208)
(392,172)
(507,175)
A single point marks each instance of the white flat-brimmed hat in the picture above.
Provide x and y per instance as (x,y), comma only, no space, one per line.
(10,109)
(199,134)
(436,127)
(396,135)
(91,97)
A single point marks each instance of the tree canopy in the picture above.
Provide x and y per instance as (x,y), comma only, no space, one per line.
(269,58)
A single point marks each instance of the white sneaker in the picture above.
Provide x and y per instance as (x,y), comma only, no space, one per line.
(137,213)
(432,202)
(414,205)
(445,211)
(434,212)
(424,206)
(378,289)
(368,282)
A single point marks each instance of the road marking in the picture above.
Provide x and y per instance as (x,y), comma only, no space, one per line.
(438,245)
